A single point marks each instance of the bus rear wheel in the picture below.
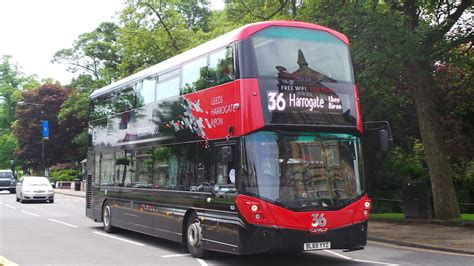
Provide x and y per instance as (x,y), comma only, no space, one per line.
(107,219)
(194,237)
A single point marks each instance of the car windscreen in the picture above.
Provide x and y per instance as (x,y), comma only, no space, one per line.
(6,175)
(36,182)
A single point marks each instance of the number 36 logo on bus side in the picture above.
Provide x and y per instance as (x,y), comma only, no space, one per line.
(318,223)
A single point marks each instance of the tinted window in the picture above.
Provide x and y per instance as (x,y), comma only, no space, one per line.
(123,100)
(106,169)
(194,75)
(302,54)
(303,171)
(146,91)
(144,170)
(102,108)
(164,166)
(221,67)
(6,174)
(186,156)
(114,103)
(167,88)
(124,168)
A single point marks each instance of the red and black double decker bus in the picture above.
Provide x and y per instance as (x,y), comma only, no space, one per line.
(248,143)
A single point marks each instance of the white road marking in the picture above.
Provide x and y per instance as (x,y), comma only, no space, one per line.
(30,213)
(349,258)
(175,255)
(375,262)
(418,249)
(10,206)
(337,254)
(121,239)
(202,262)
(59,222)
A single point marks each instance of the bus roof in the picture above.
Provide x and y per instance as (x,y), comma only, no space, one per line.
(238,34)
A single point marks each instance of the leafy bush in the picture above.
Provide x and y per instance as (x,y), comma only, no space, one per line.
(64,175)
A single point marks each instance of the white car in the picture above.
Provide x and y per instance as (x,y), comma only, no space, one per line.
(34,188)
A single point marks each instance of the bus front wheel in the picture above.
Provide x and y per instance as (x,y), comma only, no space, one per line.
(194,237)
(107,219)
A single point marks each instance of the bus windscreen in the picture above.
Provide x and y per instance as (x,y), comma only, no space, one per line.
(303,171)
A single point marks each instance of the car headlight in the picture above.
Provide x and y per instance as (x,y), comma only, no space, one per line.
(12,183)
(27,191)
(49,191)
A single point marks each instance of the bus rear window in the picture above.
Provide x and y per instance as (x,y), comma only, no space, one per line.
(302,54)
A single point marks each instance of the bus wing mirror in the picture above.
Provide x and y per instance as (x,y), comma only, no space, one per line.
(385,133)
(384,139)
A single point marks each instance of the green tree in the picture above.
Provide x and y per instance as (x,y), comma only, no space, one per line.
(12,82)
(154,31)
(8,144)
(96,53)
(73,117)
(395,45)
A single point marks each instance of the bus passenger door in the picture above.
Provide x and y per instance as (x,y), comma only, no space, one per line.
(221,215)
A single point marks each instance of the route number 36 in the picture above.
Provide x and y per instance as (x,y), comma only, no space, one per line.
(276,101)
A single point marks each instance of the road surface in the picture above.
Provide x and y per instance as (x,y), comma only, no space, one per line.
(59,233)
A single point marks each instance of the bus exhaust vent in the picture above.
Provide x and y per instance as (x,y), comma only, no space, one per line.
(89,192)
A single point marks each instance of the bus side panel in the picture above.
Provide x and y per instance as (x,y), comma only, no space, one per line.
(251,105)
(155,212)
(221,231)
(217,110)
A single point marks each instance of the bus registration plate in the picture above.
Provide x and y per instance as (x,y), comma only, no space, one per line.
(317,245)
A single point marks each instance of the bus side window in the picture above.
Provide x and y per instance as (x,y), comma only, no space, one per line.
(124,100)
(203,165)
(145,90)
(106,169)
(101,108)
(225,165)
(162,167)
(144,169)
(186,172)
(221,67)
(194,76)
(167,88)
(124,167)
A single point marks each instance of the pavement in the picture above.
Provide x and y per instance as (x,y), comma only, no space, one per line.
(427,234)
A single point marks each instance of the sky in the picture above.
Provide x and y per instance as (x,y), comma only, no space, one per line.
(32,31)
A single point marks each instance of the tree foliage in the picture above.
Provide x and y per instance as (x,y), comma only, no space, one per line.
(44,103)
(12,82)
(96,53)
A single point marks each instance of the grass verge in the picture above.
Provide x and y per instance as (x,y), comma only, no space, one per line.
(465,217)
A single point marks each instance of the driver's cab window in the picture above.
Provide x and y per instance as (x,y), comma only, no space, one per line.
(226,171)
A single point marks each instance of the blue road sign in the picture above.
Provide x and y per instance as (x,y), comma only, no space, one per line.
(45,129)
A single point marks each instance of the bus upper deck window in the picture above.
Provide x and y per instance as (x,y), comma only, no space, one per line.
(221,67)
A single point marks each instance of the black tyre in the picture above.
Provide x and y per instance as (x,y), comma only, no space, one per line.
(107,219)
(194,237)
(51,201)
(13,191)
(17,199)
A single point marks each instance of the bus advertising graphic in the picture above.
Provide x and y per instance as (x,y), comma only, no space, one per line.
(248,143)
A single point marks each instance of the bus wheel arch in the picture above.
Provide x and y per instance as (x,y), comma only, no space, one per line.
(192,235)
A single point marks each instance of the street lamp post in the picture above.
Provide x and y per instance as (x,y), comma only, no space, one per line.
(44,132)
